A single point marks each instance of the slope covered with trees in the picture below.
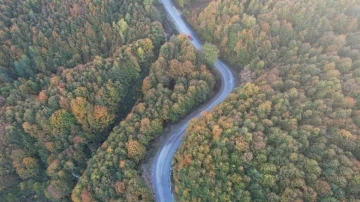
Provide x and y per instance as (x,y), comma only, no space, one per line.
(40,35)
(177,82)
(69,70)
(293,132)
(257,32)
(56,127)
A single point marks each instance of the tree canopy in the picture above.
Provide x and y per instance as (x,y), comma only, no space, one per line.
(291,131)
(210,52)
(175,85)
(69,71)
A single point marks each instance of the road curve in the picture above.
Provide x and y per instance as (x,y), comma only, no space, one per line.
(161,166)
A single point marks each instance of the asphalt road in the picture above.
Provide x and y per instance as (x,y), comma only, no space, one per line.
(161,166)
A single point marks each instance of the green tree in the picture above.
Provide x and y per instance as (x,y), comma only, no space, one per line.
(210,52)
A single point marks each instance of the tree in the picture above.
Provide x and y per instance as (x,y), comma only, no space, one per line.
(100,118)
(24,68)
(120,187)
(135,150)
(210,52)
(58,188)
(62,119)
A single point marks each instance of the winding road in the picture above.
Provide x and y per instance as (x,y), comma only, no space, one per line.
(161,166)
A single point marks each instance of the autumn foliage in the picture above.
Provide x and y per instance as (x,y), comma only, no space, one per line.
(69,70)
(291,131)
(175,86)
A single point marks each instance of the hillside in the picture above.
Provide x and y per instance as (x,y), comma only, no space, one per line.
(69,72)
(291,131)
(177,83)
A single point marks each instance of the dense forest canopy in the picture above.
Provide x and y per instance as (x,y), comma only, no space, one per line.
(69,71)
(67,119)
(38,36)
(178,81)
(291,132)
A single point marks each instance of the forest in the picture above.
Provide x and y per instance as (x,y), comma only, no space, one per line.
(291,131)
(87,85)
(177,82)
(70,71)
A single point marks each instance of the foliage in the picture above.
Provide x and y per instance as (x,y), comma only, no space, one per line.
(210,52)
(72,111)
(69,70)
(40,36)
(293,133)
(168,95)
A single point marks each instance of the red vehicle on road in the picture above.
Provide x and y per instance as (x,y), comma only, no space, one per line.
(190,37)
